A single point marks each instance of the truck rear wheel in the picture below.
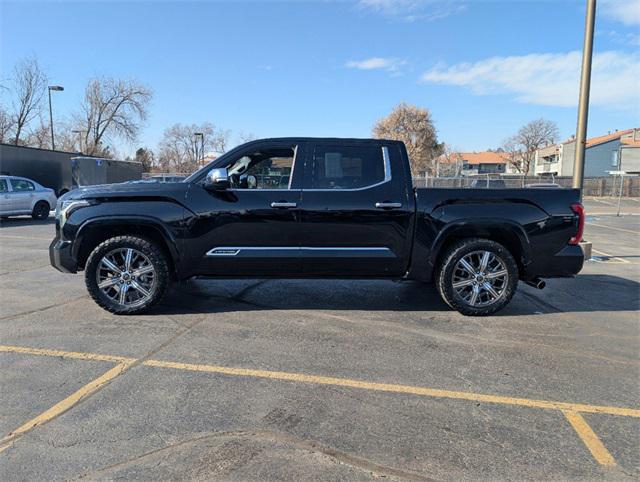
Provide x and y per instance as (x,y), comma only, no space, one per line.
(477,277)
(127,275)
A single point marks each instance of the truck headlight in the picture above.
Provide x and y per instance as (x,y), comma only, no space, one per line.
(64,208)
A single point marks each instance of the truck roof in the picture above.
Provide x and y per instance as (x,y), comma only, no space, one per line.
(322,139)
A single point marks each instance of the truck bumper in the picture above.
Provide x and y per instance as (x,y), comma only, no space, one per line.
(61,257)
(566,263)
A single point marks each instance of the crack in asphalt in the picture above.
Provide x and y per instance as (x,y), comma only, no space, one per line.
(44,308)
(266,435)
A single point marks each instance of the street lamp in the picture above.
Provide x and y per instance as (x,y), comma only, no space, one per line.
(583,100)
(57,88)
(79,138)
(201,134)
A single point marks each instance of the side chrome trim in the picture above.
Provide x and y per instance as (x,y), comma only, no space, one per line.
(302,252)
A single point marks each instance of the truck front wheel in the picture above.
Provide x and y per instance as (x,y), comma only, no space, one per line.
(477,277)
(126,275)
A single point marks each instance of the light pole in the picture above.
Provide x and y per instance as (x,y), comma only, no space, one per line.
(79,138)
(57,88)
(201,134)
(583,103)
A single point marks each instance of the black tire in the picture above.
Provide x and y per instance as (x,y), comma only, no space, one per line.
(41,210)
(153,254)
(450,262)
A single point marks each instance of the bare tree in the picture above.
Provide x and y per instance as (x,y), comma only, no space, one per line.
(180,150)
(40,136)
(412,125)
(521,148)
(6,125)
(28,87)
(244,137)
(449,163)
(111,109)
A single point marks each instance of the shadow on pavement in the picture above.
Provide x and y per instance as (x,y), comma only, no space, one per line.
(582,294)
(214,296)
(587,293)
(25,221)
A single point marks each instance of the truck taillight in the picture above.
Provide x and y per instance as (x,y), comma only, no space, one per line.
(578,209)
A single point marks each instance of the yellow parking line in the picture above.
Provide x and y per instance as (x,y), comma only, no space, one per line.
(590,439)
(389,387)
(570,410)
(66,354)
(63,405)
(342,382)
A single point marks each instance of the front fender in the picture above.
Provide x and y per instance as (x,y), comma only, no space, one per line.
(115,222)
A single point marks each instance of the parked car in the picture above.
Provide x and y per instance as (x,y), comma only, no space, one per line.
(544,185)
(342,208)
(488,183)
(19,195)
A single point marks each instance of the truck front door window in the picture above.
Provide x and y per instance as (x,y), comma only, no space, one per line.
(265,169)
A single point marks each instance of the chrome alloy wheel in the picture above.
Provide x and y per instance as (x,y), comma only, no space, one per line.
(480,278)
(126,276)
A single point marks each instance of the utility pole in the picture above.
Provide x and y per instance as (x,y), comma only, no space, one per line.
(583,102)
(201,135)
(56,88)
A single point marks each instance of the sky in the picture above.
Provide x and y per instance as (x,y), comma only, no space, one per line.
(332,68)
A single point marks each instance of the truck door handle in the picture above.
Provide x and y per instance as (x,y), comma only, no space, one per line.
(283,205)
(387,205)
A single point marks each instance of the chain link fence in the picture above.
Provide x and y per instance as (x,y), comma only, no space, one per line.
(593,186)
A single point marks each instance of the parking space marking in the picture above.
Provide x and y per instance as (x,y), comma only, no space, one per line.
(342,382)
(571,411)
(394,388)
(65,354)
(612,227)
(63,405)
(610,256)
(589,437)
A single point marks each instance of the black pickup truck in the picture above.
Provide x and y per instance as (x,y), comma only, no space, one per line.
(315,208)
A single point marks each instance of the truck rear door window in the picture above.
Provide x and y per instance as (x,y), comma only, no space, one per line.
(347,167)
(3,185)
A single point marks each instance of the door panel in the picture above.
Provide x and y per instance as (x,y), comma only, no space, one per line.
(245,232)
(5,197)
(358,232)
(22,195)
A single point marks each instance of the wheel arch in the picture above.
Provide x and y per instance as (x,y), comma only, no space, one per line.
(509,234)
(95,231)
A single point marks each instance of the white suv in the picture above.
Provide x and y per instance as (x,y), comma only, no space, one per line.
(19,195)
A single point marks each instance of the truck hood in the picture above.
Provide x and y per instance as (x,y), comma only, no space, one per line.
(176,190)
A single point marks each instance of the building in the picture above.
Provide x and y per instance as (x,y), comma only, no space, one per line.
(615,151)
(487,162)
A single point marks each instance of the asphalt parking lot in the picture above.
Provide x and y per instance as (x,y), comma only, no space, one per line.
(302,380)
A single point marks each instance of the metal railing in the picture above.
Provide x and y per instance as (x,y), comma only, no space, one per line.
(593,186)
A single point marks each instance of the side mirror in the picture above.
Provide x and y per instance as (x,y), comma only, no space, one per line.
(217,179)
